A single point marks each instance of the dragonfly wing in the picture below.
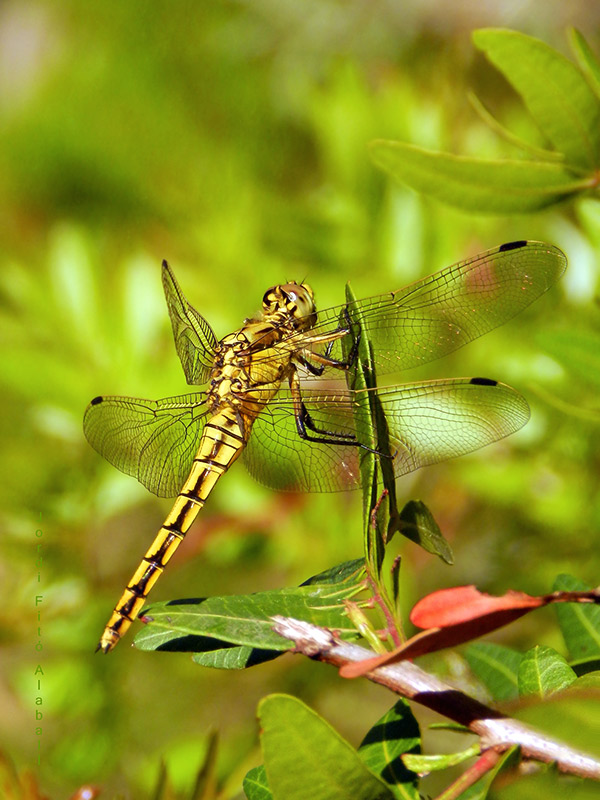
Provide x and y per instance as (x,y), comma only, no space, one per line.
(195,340)
(427,423)
(438,314)
(277,456)
(153,440)
(437,420)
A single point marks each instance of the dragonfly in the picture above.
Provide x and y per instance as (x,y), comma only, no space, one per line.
(271,394)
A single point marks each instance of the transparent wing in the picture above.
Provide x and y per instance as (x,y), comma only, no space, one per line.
(438,314)
(427,423)
(195,340)
(153,440)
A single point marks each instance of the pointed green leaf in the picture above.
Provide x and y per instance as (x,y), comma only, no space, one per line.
(362,376)
(242,619)
(306,758)
(587,60)
(223,655)
(497,667)
(426,764)
(256,785)
(474,184)
(509,136)
(553,89)
(349,572)
(543,671)
(395,734)
(579,622)
(416,522)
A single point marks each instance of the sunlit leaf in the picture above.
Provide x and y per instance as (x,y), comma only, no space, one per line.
(543,671)
(242,619)
(423,764)
(553,89)
(478,185)
(306,758)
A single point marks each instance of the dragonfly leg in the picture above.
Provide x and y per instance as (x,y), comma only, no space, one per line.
(325,360)
(305,423)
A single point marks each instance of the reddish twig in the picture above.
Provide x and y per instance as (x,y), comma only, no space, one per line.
(475,772)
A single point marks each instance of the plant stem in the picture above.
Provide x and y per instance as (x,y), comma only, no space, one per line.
(484,764)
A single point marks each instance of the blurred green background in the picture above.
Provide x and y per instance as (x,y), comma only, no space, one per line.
(230,138)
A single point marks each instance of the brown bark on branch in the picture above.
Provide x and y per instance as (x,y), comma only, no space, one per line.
(408,680)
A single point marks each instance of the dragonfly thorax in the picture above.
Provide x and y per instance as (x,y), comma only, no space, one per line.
(292,302)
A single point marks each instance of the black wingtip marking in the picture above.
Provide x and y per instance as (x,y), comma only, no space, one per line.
(513,245)
(165,264)
(483,382)
(96,400)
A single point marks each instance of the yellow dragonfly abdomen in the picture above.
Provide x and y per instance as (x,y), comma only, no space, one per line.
(220,445)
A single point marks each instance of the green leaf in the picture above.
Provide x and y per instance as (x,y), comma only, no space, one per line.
(557,95)
(416,522)
(243,619)
(222,655)
(497,667)
(587,60)
(362,376)
(434,763)
(543,671)
(349,573)
(579,622)
(256,785)
(306,758)
(492,122)
(395,734)
(474,184)
(577,351)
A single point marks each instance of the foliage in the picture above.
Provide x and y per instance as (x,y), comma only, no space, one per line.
(563,100)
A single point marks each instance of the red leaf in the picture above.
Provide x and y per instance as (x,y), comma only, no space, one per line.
(463,603)
(458,615)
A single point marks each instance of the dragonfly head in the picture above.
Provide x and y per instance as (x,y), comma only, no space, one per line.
(296,300)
